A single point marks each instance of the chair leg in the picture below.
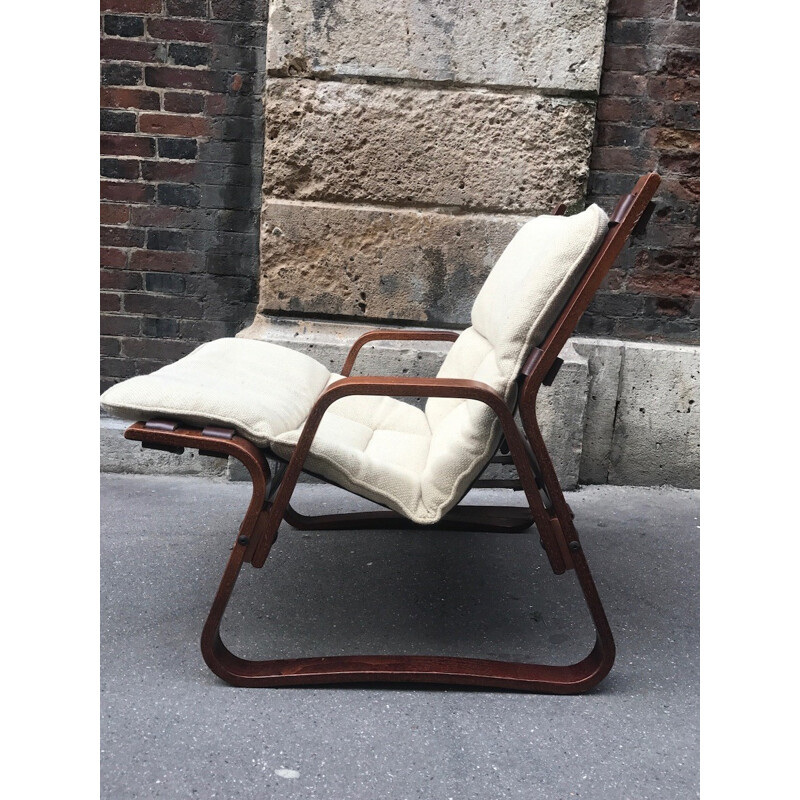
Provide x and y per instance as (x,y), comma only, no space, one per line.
(567,679)
(260,527)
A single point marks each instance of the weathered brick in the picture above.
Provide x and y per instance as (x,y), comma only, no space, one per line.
(132,6)
(622,84)
(116,25)
(181,78)
(121,237)
(162,305)
(646,9)
(187,8)
(179,171)
(126,192)
(126,145)
(121,74)
(180,30)
(173,194)
(164,282)
(110,257)
(117,121)
(127,169)
(119,325)
(112,214)
(173,125)
(129,98)
(160,261)
(189,55)
(166,350)
(160,328)
(109,301)
(184,102)
(109,346)
(130,50)
(177,148)
(609,135)
(244,10)
(166,240)
(120,279)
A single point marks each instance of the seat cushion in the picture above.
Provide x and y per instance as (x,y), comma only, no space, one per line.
(258,388)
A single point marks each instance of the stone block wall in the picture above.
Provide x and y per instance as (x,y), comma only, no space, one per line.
(406,143)
(182,131)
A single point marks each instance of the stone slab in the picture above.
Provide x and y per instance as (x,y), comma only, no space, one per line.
(605,363)
(473,150)
(403,265)
(657,425)
(526,43)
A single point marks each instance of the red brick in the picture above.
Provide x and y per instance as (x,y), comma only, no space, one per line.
(174,125)
(129,50)
(676,90)
(129,98)
(120,279)
(625,59)
(178,78)
(110,257)
(180,30)
(681,163)
(109,302)
(664,283)
(127,192)
(622,84)
(115,236)
(180,172)
(165,261)
(119,325)
(184,102)
(114,214)
(116,145)
(622,159)
(132,6)
(673,139)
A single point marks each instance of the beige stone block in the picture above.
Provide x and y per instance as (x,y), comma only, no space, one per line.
(530,43)
(474,150)
(657,425)
(381,264)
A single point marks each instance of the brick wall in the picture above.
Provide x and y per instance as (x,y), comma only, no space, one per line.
(181,160)
(181,153)
(648,118)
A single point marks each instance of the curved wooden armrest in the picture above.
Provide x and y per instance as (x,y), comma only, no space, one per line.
(396,334)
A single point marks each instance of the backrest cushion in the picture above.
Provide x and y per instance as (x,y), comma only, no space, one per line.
(519,302)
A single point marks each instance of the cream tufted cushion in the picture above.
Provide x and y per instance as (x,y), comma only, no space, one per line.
(416,462)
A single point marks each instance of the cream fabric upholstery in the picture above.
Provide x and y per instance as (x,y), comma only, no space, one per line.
(416,462)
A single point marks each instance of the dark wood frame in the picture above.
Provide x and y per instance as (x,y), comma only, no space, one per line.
(547,508)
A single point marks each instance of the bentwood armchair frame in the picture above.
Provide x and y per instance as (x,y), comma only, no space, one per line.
(546,506)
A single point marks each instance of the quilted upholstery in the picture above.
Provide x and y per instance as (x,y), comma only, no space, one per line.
(416,462)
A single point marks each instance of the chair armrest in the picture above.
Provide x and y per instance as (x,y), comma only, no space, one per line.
(433,387)
(397,334)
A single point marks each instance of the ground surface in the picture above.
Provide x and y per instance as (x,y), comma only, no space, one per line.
(171,729)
